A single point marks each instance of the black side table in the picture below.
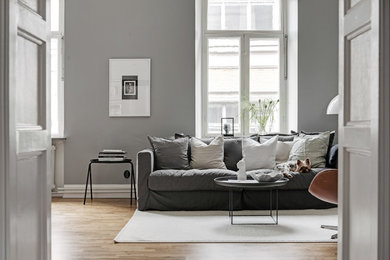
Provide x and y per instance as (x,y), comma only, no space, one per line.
(126,174)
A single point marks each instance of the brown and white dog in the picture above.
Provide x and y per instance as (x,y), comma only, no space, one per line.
(294,166)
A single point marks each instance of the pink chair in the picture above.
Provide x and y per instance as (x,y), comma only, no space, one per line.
(324,187)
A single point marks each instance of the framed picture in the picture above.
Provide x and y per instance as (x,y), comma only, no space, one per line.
(227,126)
(129,87)
(129,83)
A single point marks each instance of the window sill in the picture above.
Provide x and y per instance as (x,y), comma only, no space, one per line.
(58,138)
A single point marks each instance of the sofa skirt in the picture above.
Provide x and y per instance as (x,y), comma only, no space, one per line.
(219,200)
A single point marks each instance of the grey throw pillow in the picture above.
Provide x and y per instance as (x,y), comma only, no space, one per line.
(170,154)
(331,139)
(281,137)
(314,147)
(232,153)
(207,156)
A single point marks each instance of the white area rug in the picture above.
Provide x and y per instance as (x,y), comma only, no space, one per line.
(214,226)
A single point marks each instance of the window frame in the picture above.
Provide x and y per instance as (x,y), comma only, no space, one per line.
(59,35)
(245,36)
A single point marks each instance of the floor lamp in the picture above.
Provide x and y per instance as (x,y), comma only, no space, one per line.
(333,107)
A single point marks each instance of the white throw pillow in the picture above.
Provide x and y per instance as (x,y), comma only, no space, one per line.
(205,156)
(259,156)
(283,151)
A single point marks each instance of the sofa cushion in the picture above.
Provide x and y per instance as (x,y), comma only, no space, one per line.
(331,139)
(232,149)
(300,181)
(170,153)
(259,156)
(283,149)
(207,156)
(314,147)
(281,137)
(187,180)
(232,153)
(196,180)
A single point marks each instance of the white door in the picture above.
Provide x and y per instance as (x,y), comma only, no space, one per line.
(27,123)
(361,127)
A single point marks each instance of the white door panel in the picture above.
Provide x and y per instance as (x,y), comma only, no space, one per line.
(28,183)
(28,218)
(361,202)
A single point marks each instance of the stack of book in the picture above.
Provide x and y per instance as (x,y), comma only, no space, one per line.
(112,155)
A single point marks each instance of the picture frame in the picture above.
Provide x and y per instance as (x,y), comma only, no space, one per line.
(129,87)
(227,126)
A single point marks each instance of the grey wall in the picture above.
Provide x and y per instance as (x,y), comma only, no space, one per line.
(317,63)
(96,30)
(164,31)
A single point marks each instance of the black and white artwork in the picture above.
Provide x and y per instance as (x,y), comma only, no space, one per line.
(129,87)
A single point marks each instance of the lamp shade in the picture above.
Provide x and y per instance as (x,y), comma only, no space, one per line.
(333,107)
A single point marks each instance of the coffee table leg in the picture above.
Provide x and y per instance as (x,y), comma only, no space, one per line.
(270,203)
(231,206)
(275,218)
(277,206)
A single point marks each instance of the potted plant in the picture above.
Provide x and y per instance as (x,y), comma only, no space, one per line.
(262,113)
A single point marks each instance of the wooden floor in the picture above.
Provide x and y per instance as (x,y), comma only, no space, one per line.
(87,232)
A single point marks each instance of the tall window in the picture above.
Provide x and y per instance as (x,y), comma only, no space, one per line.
(242,61)
(57,68)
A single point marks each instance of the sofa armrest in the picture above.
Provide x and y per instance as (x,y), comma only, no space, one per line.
(144,166)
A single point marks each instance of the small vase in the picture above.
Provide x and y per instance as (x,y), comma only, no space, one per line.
(261,131)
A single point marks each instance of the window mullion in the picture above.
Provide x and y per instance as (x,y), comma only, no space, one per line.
(244,83)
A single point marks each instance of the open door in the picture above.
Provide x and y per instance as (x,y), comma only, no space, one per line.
(364,131)
(26,124)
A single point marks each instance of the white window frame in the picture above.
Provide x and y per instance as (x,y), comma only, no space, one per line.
(202,36)
(59,35)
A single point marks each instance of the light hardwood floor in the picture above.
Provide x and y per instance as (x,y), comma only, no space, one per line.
(87,232)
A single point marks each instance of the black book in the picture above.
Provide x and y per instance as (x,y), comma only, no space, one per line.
(111,156)
(112,152)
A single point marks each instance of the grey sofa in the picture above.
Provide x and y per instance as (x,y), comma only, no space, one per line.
(195,189)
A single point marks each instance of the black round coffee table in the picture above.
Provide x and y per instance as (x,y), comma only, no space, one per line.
(231,183)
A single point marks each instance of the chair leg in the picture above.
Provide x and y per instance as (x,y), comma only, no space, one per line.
(329,227)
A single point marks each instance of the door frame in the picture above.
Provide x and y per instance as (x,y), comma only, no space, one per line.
(384,131)
(3,122)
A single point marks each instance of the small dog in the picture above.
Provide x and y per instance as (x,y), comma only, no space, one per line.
(292,166)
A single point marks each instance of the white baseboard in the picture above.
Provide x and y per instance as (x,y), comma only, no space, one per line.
(75,191)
